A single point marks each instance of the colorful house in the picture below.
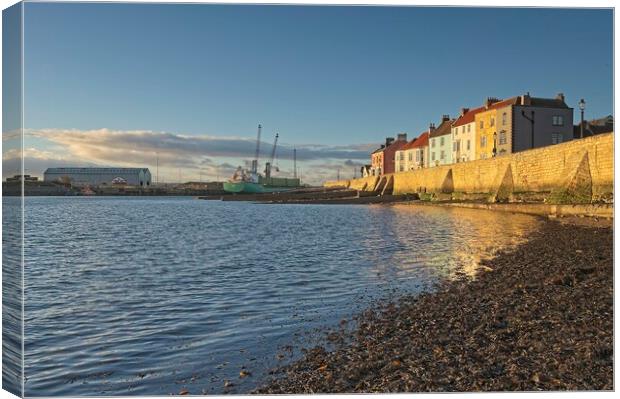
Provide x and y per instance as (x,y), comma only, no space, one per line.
(463,133)
(414,155)
(376,161)
(539,122)
(521,123)
(494,128)
(382,159)
(440,142)
(403,158)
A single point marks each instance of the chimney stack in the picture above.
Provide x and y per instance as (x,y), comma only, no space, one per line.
(464,111)
(445,118)
(402,137)
(490,101)
(525,99)
(388,141)
(560,97)
(431,127)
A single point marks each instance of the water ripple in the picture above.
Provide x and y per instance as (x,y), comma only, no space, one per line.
(148,296)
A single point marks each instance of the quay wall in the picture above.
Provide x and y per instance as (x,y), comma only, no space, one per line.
(578,171)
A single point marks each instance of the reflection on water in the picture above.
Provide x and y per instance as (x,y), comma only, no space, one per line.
(130,296)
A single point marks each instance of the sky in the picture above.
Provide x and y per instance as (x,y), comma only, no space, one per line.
(185,86)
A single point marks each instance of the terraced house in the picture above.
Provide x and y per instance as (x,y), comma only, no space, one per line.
(440,142)
(539,122)
(413,155)
(520,123)
(494,128)
(463,134)
(383,158)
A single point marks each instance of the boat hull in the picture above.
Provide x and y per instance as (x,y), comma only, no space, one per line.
(253,188)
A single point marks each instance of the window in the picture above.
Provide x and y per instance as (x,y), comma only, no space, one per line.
(468,128)
(492,121)
(410,156)
(402,156)
(502,137)
(557,138)
(504,118)
(558,120)
(433,143)
(458,145)
(483,141)
(441,141)
(442,156)
(417,156)
(433,155)
(401,168)
(481,124)
(454,146)
(468,144)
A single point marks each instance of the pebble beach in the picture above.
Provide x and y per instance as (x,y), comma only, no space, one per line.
(537,317)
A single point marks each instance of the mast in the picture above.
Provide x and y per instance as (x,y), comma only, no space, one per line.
(273,155)
(295,163)
(255,160)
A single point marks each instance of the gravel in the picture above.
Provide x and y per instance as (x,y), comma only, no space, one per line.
(537,318)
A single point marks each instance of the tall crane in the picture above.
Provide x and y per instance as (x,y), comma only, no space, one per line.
(273,155)
(255,160)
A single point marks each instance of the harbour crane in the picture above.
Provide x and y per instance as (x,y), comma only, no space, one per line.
(273,155)
(255,160)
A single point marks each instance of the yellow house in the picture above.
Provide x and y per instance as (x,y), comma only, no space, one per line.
(493,135)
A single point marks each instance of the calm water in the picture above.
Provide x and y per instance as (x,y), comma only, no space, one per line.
(129,296)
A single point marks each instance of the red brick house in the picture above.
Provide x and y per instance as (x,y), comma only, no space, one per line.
(382,159)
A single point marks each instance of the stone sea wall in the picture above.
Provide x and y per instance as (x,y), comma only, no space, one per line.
(578,171)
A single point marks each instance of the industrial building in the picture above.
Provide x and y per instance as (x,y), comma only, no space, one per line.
(99,176)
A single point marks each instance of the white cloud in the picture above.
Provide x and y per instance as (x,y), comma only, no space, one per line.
(178,155)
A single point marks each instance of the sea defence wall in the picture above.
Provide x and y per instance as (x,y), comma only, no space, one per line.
(578,171)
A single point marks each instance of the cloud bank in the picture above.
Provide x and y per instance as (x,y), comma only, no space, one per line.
(179,156)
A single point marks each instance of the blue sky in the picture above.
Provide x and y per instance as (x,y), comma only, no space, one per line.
(340,77)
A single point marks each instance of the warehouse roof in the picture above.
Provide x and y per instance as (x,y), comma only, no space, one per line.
(96,170)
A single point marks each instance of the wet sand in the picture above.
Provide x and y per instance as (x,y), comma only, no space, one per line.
(539,317)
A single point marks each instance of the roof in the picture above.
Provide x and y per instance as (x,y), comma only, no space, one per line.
(397,145)
(590,129)
(408,145)
(547,102)
(442,129)
(420,141)
(380,149)
(468,117)
(503,103)
(96,170)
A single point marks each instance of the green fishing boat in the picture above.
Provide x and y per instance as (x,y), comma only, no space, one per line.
(247,184)
(251,182)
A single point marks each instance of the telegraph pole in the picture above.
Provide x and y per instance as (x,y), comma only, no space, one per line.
(294,163)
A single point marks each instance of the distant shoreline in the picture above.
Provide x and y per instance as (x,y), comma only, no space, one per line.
(539,317)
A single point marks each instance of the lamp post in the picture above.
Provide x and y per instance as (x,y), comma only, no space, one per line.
(582,107)
(532,122)
(494,144)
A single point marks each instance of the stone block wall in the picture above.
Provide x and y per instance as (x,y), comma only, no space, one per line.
(577,171)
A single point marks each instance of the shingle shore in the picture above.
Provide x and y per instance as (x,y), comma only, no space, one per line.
(539,318)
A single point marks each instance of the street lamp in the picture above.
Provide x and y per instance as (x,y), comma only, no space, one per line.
(582,107)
